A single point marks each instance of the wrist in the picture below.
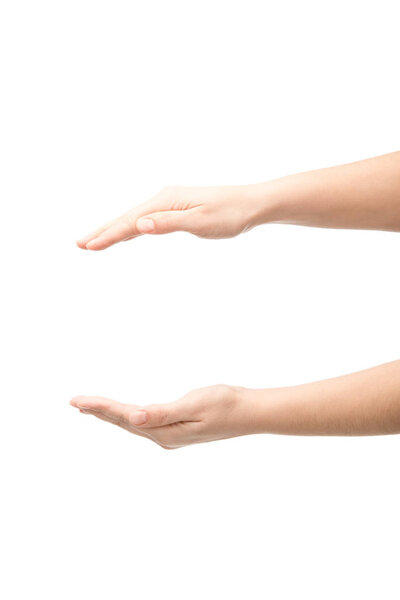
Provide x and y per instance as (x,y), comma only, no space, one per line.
(285,200)
(256,408)
(267,202)
(272,410)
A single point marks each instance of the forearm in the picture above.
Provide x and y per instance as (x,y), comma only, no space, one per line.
(363,403)
(360,195)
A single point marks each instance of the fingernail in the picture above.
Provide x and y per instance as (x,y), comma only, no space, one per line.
(139,417)
(145,225)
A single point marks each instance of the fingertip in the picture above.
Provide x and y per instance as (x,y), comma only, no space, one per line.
(95,244)
(75,401)
(81,244)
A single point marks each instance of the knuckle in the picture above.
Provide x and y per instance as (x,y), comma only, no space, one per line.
(129,221)
(159,415)
(124,418)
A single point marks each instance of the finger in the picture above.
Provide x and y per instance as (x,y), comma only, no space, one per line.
(121,230)
(153,415)
(82,242)
(129,227)
(160,436)
(114,421)
(128,415)
(160,415)
(169,425)
(123,227)
(108,408)
(168,221)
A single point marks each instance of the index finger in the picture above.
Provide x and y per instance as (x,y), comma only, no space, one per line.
(109,408)
(121,228)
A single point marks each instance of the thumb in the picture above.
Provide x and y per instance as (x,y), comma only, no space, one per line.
(165,222)
(158,415)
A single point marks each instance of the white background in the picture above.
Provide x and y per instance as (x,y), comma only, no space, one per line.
(102,104)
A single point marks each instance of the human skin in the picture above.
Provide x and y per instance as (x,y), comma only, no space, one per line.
(363,403)
(361,195)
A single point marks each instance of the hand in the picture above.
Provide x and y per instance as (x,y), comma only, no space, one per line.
(203,415)
(209,212)
(323,198)
(363,403)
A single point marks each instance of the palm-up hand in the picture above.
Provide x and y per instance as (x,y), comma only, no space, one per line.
(210,212)
(203,415)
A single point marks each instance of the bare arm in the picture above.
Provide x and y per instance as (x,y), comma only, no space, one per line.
(361,195)
(363,403)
